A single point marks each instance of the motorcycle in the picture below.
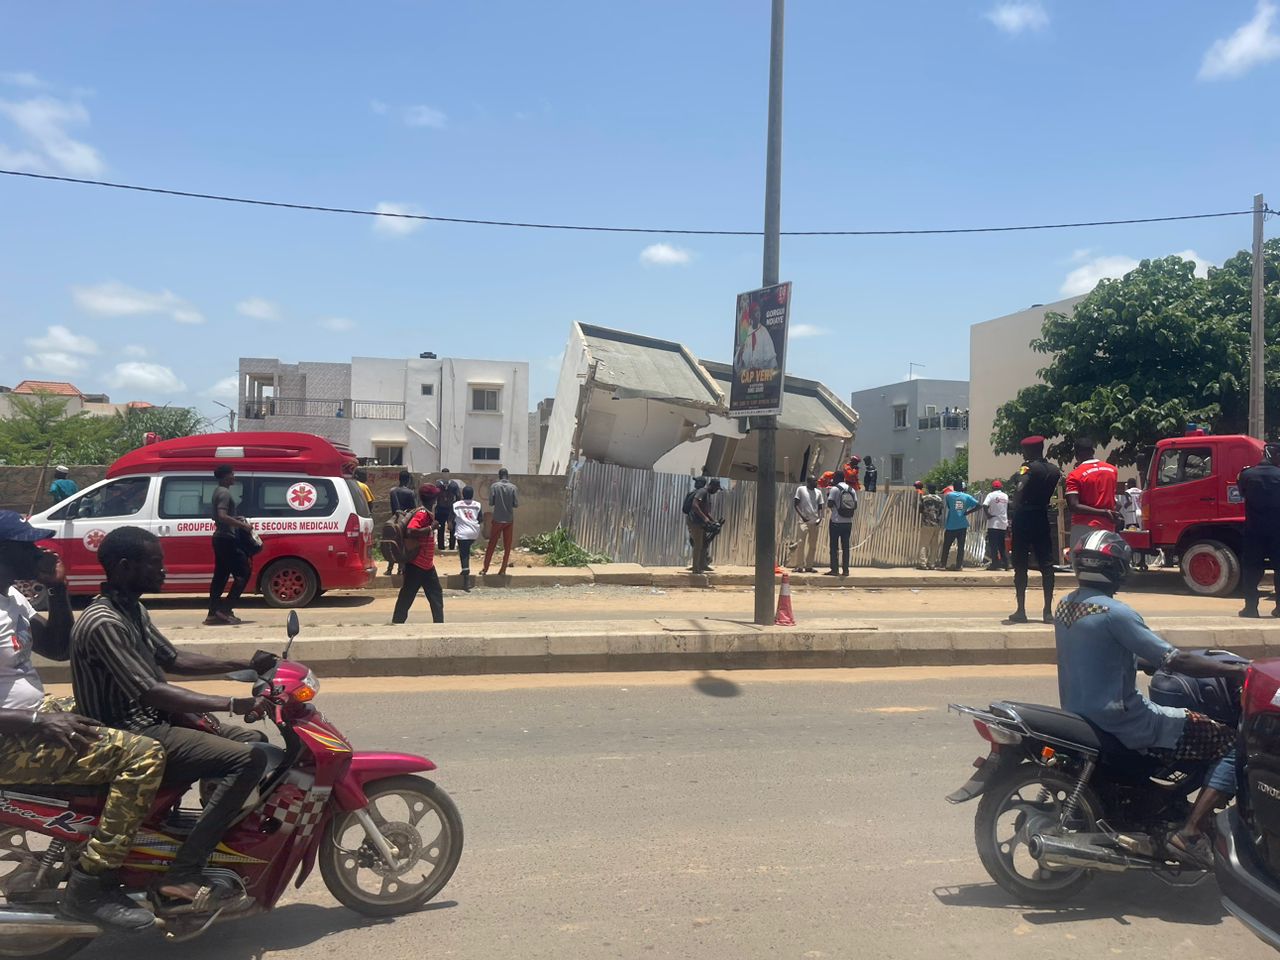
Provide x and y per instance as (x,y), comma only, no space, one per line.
(1062,799)
(386,841)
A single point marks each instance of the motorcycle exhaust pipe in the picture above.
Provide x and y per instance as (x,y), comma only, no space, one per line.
(34,923)
(1062,852)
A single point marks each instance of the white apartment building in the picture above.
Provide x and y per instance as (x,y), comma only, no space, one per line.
(426,413)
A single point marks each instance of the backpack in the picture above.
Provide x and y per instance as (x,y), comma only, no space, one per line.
(1215,697)
(846,503)
(395,533)
(688,501)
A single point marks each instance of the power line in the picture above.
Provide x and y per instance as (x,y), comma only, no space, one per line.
(598,229)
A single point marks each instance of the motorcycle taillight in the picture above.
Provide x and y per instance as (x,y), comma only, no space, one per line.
(995,735)
(1259,693)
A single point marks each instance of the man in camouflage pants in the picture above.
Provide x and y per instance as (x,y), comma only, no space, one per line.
(43,742)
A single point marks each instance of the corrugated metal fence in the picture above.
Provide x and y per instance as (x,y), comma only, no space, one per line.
(634,516)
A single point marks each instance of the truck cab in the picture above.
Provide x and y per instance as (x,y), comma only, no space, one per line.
(1192,507)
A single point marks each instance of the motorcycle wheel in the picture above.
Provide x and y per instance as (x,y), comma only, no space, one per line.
(420,823)
(16,849)
(1010,812)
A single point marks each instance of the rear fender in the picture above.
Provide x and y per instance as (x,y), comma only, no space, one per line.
(348,792)
(988,769)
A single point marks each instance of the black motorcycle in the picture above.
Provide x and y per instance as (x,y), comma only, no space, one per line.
(1061,799)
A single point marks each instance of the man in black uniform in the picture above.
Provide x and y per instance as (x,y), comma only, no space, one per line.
(1034,485)
(1260,487)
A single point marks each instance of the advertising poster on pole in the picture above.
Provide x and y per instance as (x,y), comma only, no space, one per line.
(760,351)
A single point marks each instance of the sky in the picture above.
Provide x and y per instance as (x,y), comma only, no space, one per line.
(937,114)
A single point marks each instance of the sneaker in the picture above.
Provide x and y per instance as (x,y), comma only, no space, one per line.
(99,900)
(1250,613)
(212,620)
(1018,616)
(832,573)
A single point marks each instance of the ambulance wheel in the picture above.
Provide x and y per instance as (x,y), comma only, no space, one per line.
(1210,568)
(289,582)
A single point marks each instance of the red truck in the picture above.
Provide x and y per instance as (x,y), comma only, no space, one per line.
(1192,507)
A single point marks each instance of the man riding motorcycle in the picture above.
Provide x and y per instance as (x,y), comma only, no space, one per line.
(118,665)
(43,742)
(1100,640)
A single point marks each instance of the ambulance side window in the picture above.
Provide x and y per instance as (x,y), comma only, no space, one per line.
(191,498)
(123,498)
(292,497)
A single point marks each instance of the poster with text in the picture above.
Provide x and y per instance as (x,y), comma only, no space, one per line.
(760,352)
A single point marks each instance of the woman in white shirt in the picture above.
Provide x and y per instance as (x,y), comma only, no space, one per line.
(467,516)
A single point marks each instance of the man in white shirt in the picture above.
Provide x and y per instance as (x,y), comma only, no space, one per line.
(468,515)
(808,503)
(996,507)
(42,742)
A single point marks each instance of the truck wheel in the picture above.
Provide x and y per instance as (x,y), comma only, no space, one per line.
(289,582)
(1211,568)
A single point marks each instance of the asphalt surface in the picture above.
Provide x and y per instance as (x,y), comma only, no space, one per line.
(775,814)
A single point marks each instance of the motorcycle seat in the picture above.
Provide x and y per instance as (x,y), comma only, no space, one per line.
(1060,725)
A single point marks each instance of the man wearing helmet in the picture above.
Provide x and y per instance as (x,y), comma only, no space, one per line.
(1100,640)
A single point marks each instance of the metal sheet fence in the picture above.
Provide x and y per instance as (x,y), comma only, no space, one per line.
(634,516)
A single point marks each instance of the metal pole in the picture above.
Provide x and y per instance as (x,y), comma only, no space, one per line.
(1257,355)
(766,427)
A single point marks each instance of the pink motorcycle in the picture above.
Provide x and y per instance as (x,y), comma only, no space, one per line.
(387,841)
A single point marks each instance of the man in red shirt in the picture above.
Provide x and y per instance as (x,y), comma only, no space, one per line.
(1091,494)
(420,570)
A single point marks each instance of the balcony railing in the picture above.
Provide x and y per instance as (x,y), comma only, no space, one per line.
(303,407)
(950,421)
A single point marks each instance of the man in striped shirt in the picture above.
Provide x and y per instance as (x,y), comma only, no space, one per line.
(118,665)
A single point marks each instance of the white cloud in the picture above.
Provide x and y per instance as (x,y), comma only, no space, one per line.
(58,339)
(421,115)
(378,107)
(146,377)
(117,300)
(256,308)
(1202,265)
(1018,17)
(133,350)
(396,226)
(60,364)
(46,146)
(21,78)
(337,324)
(1086,276)
(664,255)
(228,388)
(801,330)
(1252,44)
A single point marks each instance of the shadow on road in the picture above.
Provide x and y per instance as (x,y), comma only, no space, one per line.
(286,928)
(338,601)
(1107,898)
(714,686)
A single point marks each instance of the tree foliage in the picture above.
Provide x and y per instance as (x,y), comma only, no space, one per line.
(39,430)
(948,472)
(1143,356)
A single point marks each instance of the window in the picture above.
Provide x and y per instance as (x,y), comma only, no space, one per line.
(123,498)
(271,497)
(484,399)
(1181,465)
(895,468)
(930,409)
(191,498)
(486,453)
(389,455)
(428,389)
(900,417)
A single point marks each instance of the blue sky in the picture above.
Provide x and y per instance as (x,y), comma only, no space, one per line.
(928,114)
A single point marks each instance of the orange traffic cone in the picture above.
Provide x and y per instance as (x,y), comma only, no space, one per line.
(785,616)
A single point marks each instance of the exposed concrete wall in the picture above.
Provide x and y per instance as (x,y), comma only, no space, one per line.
(557,450)
(20,485)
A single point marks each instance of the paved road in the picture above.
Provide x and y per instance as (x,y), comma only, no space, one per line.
(605,602)
(783,814)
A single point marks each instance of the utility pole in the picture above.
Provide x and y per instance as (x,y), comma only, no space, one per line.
(1257,354)
(911,369)
(767,427)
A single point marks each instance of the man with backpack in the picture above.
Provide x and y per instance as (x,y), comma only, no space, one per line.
(685,507)
(403,503)
(419,559)
(699,520)
(842,500)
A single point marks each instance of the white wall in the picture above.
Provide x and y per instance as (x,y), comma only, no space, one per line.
(558,450)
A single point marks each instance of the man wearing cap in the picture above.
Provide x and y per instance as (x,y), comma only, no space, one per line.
(43,742)
(63,486)
(1034,485)
(996,507)
(1091,494)
(1260,487)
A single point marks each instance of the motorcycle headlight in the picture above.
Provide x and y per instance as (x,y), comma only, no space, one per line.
(308,689)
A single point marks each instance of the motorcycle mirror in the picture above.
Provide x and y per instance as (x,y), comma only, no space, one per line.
(293,628)
(261,687)
(243,676)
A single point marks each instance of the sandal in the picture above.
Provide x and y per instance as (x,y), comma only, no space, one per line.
(195,894)
(1193,851)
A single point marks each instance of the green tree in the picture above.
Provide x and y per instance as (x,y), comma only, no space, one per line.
(38,430)
(1143,356)
(948,472)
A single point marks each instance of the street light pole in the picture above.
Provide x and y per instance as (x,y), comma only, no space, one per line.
(1257,354)
(767,427)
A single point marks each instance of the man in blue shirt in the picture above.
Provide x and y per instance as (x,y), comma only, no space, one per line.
(63,486)
(958,506)
(1100,640)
